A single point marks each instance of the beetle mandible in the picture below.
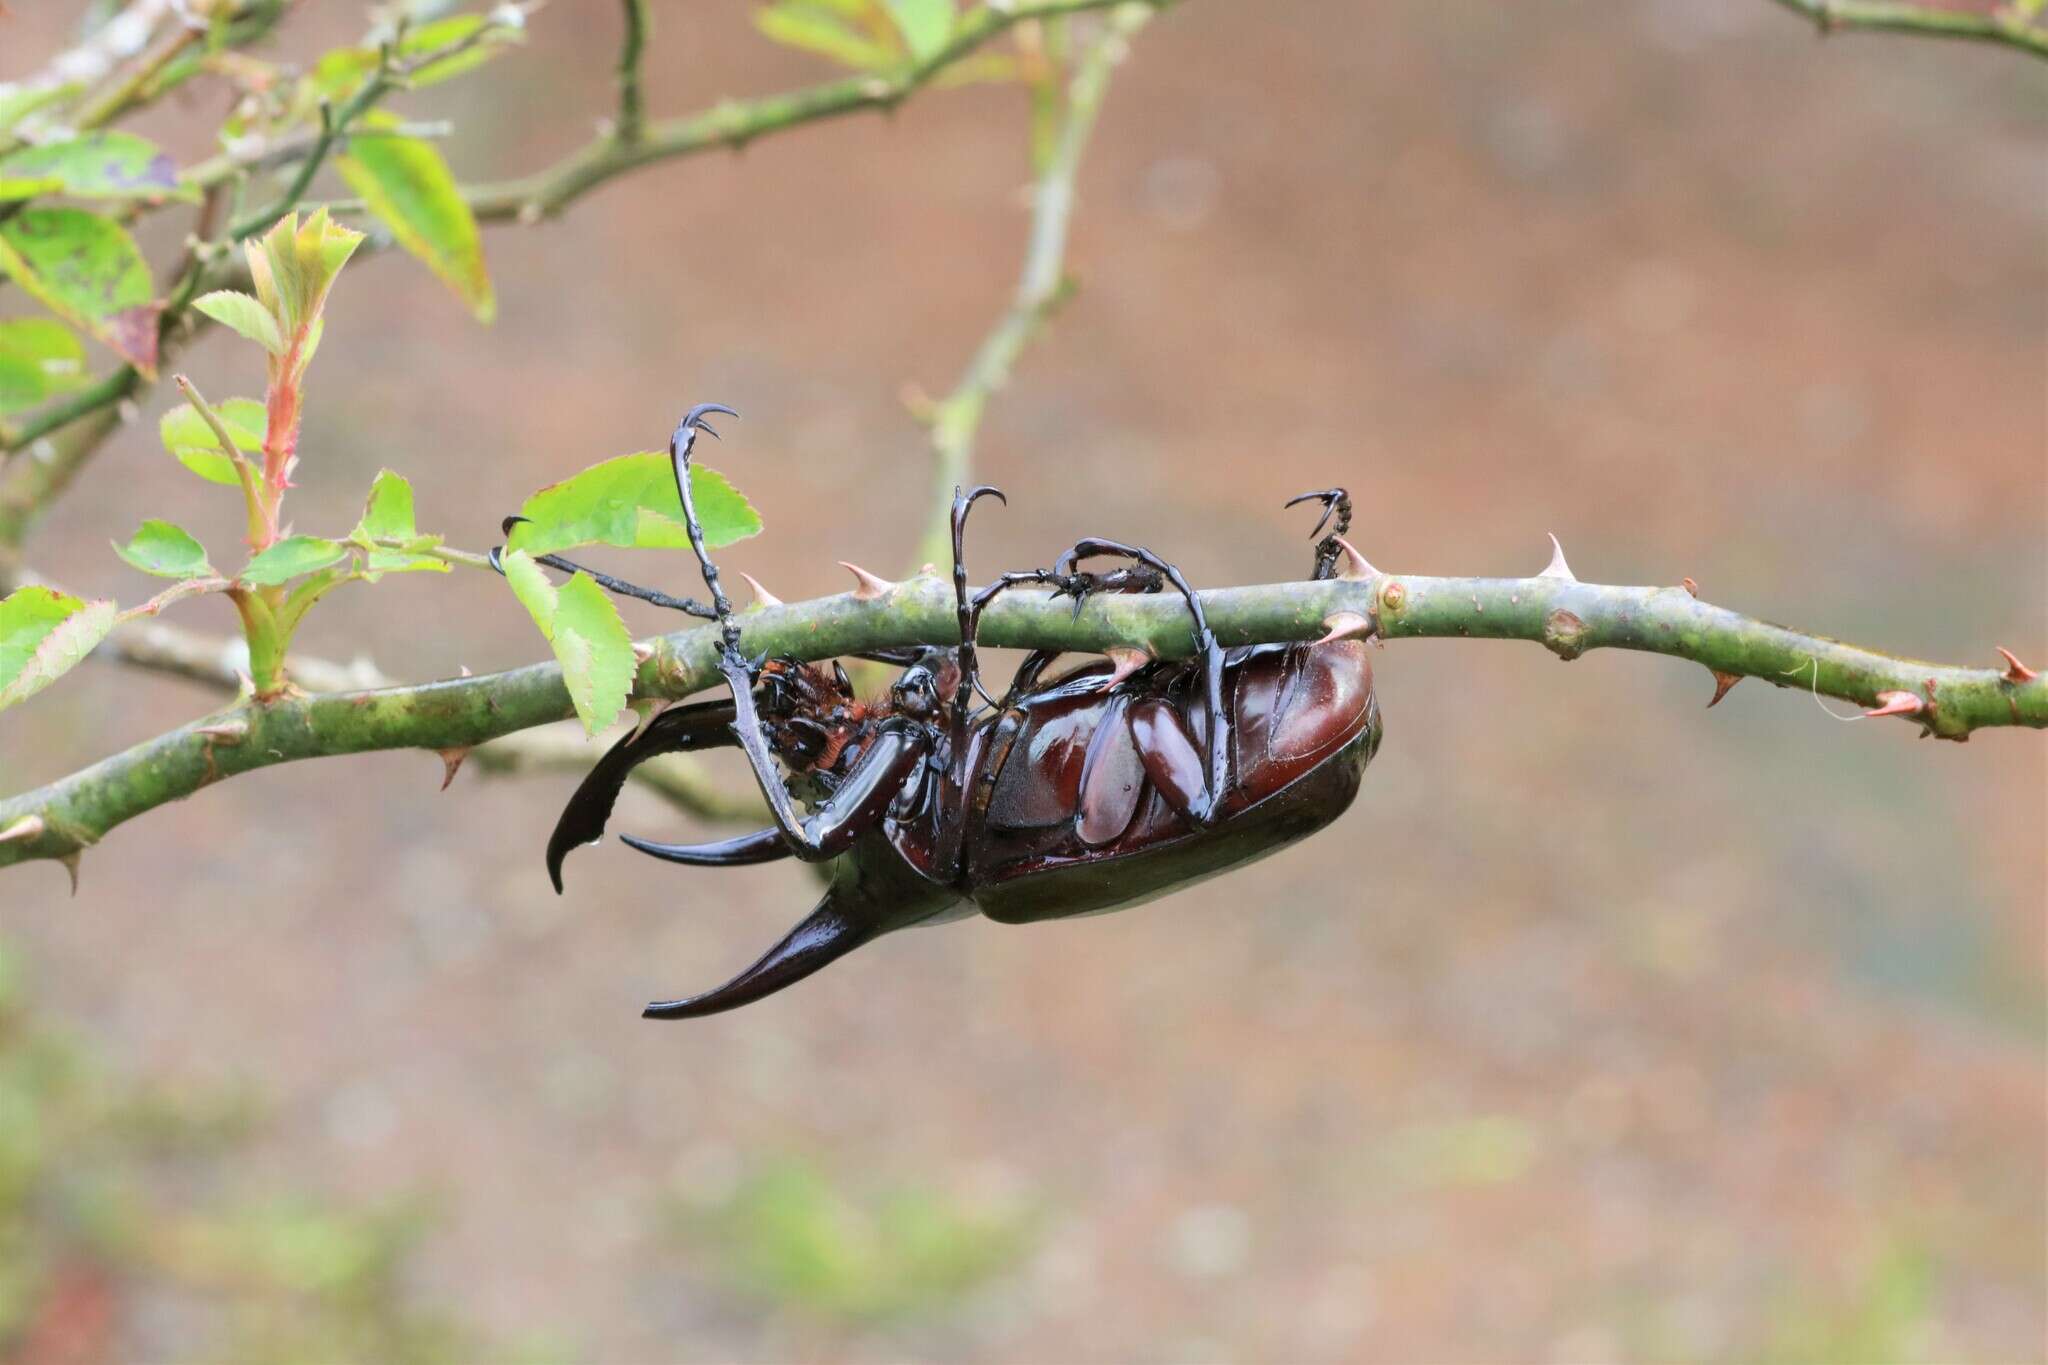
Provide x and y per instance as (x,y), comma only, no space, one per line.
(1095,789)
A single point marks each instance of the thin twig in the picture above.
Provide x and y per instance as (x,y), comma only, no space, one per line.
(2007,25)
(735,123)
(630,49)
(1041,285)
(1566,616)
(330,127)
(24,493)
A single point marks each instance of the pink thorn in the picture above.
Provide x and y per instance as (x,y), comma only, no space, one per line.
(2015,671)
(1689,586)
(867,587)
(451,763)
(761,594)
(1896,704)
(28,827)
(1724,683)
(1345,625)
(1356,566)
(647,711)
(1127,661)
(642,651)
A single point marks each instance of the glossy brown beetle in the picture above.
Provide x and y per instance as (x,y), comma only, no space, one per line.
(1089,791)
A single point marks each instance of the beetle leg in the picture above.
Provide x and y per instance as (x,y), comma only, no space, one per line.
(825,935)
(738,671)
(1028,673)
(1194,786)
(688,605)
(966,613)
(1079,585)
(1168,753)
(855,806)
(1334,500)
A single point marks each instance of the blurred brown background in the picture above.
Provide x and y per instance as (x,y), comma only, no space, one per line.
(1601,1027)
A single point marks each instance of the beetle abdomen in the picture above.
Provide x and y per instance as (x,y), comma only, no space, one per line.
(1148,864)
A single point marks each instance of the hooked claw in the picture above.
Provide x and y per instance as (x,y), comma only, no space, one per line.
(1329,497)
(497,554)
(693,420)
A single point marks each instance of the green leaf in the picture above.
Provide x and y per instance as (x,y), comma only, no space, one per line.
(817,28)
(39,359)
(186,435)
(341,72)
(102,165)
(596,653)
(926,25)
(44,632)
(404,181)
(589,639)
(389,516)
(532,588)
(167,551)
(291,557)
(293,266)
(243,313)
(379,562)
(388,513)
(631,501)
(18,102)
(87,270)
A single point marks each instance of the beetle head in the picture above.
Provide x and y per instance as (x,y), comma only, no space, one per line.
(809,713)
(916,692)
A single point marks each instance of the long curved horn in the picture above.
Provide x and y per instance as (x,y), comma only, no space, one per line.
(702,725)
(827,934)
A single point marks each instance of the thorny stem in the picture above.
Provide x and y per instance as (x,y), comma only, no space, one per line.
(2006,24)
(221,663)
(1567,616)
(1040,286)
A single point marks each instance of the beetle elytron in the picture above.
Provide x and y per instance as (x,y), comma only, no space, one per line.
(1091,790)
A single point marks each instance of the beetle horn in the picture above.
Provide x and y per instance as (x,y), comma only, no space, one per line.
(700,725)
(827,934)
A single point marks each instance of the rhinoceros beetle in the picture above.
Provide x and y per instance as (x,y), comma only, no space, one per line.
(1089,790)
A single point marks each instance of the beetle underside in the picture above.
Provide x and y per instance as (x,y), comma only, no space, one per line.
(1088,791)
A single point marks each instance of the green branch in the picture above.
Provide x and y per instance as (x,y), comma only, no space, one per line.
(221,664)
(732,124)
(2009,25)
(1041,285)
(1566,616)
(631,112)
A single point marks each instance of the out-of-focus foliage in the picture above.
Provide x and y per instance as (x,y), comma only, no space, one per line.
(89,1232)
(793,1236)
